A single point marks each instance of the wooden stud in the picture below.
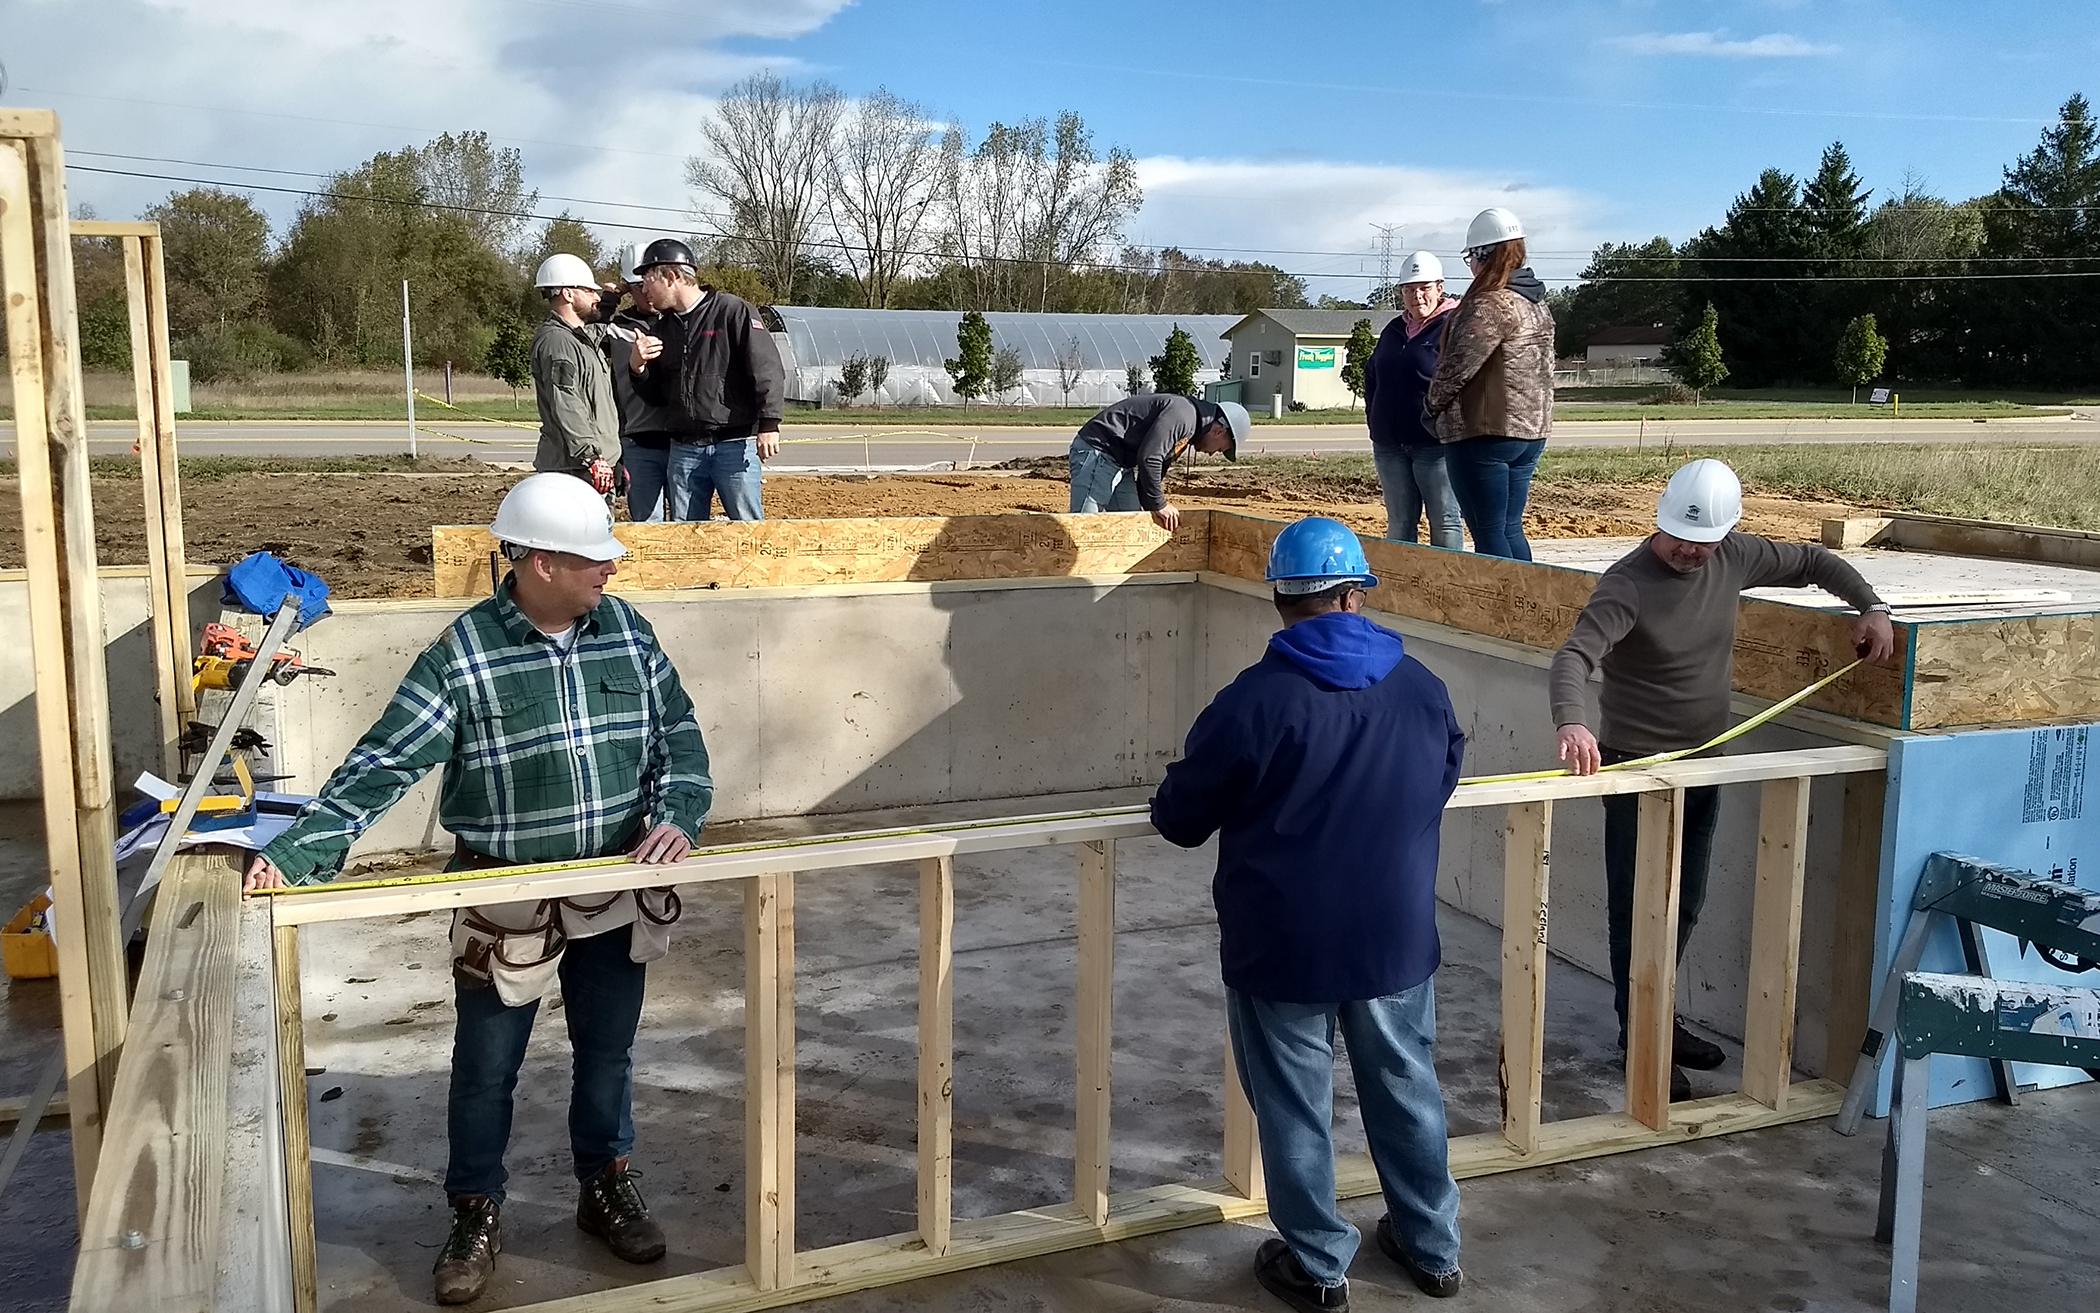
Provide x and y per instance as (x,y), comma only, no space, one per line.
(28,123)
(1031,1233)
(1527,839)
(1853,921)
(1094,1042)
(298,1140)
(1775,941)
(769,1079)
(153,1222)
(1242,1135)
(1651,1004)
(167,649)
(255,1224)
(177,597)
(936,1051)
(115,228)
(79,971)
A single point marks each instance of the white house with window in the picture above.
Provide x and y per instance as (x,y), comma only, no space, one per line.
(1296,353)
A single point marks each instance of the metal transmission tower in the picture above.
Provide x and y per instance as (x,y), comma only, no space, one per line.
(1383,293)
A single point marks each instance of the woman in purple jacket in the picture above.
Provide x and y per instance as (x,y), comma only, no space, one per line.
(1410,460)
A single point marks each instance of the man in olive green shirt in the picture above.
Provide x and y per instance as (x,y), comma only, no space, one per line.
(1660,627)
(571,379)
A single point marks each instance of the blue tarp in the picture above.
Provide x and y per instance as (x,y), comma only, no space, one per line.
(259,585)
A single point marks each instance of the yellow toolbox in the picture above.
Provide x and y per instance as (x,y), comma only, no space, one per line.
(26,944)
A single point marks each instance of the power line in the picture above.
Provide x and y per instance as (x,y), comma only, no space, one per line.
(1102,266)
(1385,239)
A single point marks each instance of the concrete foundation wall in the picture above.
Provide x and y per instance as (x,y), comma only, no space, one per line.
(841,700)
(127,623)
(1501,704)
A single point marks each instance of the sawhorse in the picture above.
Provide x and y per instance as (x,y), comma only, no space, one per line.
(2061,919)
(2004,1021)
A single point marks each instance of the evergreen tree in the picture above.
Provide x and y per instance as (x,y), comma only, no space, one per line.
(1174,368)
(1835,210)
(510,356)
(1618,289)
(1861,353)
(971,369)
(1697,359)
(1357,357)
(1765,236)
(2042,333)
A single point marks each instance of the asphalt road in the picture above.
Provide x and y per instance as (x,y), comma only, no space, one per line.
(905,446)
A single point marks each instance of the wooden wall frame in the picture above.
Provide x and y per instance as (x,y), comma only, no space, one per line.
(193,972)
(66,619)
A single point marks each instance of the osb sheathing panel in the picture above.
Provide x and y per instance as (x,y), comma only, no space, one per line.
(2027,668)
(789,553)
(1778,648)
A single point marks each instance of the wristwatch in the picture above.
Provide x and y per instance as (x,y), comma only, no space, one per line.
(1882,607)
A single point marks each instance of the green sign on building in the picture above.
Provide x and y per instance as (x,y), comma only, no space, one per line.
(1316,357)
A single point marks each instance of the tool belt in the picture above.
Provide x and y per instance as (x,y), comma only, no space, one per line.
(519,945)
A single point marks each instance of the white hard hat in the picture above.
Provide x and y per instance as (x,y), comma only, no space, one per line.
(630,256)
(1492,225)
(564,270)
(1237,421)
(1421,267)
(558,513)
(1702,503)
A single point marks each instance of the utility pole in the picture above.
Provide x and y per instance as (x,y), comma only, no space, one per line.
(1384,292)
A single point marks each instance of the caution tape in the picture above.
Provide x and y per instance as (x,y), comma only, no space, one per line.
(1764,717)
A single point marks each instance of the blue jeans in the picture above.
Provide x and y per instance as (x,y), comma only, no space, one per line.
(1098,483)
(1414,479)
(703,471)
(1285,1055)
(1622,828)
(1492,477)
(601,988)
(648,470)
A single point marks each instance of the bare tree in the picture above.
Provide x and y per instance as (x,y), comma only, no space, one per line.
(1028,203)
(770,145)
(883,170)
(878,374)
(1071,363)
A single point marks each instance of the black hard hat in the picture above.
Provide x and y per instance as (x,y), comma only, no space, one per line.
(666,250)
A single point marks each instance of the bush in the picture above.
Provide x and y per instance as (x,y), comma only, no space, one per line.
(240,352)
(1296,405)
(1671,394)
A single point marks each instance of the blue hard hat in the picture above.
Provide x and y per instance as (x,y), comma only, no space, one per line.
(1315,554)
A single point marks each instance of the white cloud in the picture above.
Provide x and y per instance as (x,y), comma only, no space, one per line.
(1327,208)
(1772,45)
(603,100)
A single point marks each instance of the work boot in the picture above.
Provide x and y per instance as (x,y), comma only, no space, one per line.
(611,1208)
(1282,1275)
(1688,1050)
(469,1255)
(1436,1287)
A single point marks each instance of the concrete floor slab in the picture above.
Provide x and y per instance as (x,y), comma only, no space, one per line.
(1774,1220)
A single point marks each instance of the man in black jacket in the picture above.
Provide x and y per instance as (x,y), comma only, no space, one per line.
(720,374)
(1119,459)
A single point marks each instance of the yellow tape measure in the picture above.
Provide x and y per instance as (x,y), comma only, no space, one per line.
(963,827)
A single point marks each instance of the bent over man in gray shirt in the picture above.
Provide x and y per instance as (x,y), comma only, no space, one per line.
(1661,627)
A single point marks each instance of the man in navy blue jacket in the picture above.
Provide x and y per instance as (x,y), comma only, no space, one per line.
(1324,769)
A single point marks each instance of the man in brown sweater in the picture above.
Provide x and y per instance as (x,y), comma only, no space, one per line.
(1661,627)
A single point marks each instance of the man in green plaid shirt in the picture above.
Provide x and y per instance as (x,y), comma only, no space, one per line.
(563,733)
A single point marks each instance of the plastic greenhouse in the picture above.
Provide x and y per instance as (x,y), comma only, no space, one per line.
(818,340)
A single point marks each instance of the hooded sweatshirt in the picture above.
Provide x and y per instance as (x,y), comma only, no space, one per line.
(1495,377)
(1323,769)
(1397,382)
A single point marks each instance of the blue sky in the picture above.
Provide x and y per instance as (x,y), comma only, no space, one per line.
(1264,125)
